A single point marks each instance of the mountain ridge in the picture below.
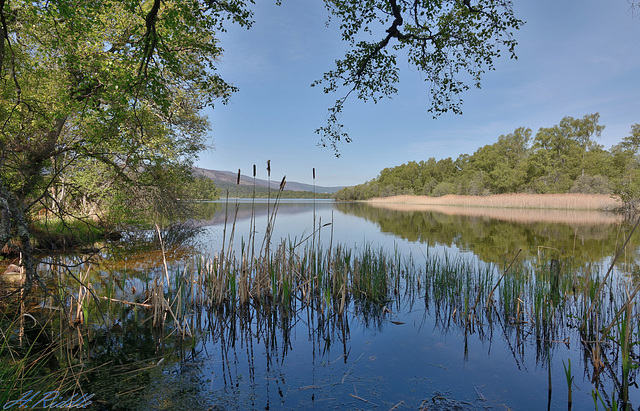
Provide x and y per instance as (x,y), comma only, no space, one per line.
(226,178)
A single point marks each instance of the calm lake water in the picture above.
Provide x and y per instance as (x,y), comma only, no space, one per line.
(410,353)
(415,350)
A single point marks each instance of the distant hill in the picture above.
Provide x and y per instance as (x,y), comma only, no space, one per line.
(227,180)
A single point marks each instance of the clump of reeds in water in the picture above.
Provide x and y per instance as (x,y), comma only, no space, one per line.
(292,271)
(521,294)
(295,273)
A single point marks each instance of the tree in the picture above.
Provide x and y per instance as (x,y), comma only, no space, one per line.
(626,169)
(100,100)
(560,152)
(511,175)
(451,42)
(104,92)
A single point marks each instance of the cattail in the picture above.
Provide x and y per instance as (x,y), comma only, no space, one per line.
(314,173)
(238,181)
(269,168)
(282,183)
(254,170)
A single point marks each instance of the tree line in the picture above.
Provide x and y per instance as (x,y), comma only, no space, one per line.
(564,158)
(250,191)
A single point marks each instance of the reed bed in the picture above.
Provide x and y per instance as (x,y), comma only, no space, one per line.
(542,303)
(602,202)
(544,298)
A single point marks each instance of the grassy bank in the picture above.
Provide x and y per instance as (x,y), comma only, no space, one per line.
(602,202)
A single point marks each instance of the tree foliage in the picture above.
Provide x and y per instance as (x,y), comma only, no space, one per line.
(100,99)
(452,43)
(626,168)
(99,105)
(558,159)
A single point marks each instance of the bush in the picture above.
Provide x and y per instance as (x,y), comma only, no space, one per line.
(443,188)
(586,184)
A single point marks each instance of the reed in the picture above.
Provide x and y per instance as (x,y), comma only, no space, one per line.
(569,377)
(521,201)
(31,365)
(624,333)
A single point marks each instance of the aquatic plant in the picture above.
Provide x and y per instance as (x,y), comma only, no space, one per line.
(248,294)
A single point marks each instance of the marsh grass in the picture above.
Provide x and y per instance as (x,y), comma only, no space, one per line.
(30,360)
(546,302)
(256,290)
(56,233)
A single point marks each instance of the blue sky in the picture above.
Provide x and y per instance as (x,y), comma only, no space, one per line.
(574,58)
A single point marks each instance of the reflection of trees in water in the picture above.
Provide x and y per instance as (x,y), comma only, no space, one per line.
(492,239)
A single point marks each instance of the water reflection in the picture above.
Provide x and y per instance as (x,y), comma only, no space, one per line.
(449,330)
(491,234)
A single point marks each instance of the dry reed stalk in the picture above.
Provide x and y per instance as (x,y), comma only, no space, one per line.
(164,259)
(178,297)
(164,307)
(252,224)
(490,298)
(235,219)
(157,301)
(243,288)
(344,291)
(83,293)
(542,201)
(626,306)
(144,305)
(271,218)
(191,282)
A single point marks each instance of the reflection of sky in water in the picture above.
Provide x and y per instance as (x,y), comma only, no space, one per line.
(294,221)
(413,363)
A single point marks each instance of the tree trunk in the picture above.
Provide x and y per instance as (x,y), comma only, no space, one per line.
(13,216)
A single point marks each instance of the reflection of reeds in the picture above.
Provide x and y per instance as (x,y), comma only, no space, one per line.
(512,214)
(537,301)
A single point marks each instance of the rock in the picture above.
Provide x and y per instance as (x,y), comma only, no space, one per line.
(113,236)
(12,269)
(13,274)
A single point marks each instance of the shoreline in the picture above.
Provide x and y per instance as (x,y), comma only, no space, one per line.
(591,202)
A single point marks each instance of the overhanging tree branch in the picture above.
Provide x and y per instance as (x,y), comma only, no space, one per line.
(448,41)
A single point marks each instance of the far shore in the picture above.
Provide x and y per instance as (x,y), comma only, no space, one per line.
(599,202)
